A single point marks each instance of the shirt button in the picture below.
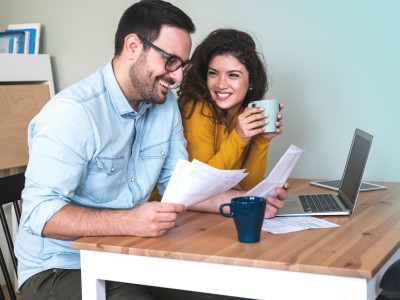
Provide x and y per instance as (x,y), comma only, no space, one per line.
(132,179)
(113,170)
(162,153)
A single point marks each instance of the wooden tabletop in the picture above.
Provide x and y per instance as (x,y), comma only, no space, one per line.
(358,248)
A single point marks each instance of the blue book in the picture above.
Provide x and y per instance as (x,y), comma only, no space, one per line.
(32,37)
(6,45)
(19,37)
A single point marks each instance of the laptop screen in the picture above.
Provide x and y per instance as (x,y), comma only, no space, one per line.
(355,165)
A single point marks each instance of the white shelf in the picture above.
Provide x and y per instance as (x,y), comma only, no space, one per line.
(26,68)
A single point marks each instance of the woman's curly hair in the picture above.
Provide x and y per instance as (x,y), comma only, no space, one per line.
(221,42)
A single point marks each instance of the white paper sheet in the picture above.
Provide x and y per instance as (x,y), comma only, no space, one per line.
(194,182)
(278,176)
(279,225)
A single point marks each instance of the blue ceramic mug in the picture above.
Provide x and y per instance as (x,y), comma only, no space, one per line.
(248,214)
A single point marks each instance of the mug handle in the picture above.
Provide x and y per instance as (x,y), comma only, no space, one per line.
(221,210)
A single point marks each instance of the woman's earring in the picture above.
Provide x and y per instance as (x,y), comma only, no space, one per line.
(250,89)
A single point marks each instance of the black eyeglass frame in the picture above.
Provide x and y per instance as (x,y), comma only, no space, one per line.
(168,56)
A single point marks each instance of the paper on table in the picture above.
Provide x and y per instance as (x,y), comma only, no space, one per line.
(291,224)
(194,182)
(278,176)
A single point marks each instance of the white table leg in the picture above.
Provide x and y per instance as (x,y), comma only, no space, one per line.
(92,287)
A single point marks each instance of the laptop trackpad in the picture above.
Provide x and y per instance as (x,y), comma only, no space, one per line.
(290,203)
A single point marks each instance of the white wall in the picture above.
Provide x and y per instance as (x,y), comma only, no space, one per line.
(334,64)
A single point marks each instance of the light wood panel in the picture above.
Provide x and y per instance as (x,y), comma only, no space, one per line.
(7,295)
(19,103)
(358,248)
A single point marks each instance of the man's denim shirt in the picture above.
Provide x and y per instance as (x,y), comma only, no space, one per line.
(88,147)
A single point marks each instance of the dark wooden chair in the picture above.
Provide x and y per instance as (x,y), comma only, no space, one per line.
(10,192)
(390,283)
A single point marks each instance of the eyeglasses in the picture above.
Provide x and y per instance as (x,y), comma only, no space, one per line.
(173,62)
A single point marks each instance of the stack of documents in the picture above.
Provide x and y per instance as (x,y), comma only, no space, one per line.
(278,175)
(291,224)
(194,182)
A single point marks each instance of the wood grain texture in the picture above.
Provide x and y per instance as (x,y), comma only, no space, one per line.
(19,103)
(358,248)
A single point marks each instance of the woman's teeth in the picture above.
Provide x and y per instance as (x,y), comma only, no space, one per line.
(222,95)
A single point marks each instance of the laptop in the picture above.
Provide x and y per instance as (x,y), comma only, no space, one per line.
(335,184)
(344,201)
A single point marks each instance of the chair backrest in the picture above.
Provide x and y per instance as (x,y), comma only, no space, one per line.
(10,192)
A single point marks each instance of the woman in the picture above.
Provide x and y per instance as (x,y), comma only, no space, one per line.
(226,74)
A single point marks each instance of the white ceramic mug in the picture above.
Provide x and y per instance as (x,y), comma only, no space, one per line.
(271,108)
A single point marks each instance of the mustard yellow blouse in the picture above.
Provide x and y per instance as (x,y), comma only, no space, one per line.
(210,142)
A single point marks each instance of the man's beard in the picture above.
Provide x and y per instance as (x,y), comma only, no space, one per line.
(143,83)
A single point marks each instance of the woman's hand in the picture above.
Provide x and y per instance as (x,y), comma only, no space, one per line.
(250,122)
(274,204)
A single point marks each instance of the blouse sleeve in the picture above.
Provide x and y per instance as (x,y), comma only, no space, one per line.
(255,162)
(200,136)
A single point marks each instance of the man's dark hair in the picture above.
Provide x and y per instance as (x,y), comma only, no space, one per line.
(145,18)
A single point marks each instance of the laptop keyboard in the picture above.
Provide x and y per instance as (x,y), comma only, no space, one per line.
(319,203)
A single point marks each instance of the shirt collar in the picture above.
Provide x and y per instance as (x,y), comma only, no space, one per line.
(117,97)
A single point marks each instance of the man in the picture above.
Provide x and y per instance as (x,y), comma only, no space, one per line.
(97,150)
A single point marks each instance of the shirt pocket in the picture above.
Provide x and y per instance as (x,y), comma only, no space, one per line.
(153,158)
(104,179)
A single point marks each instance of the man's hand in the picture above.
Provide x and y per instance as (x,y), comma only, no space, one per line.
(274,204)
(148,220)
(153,219)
